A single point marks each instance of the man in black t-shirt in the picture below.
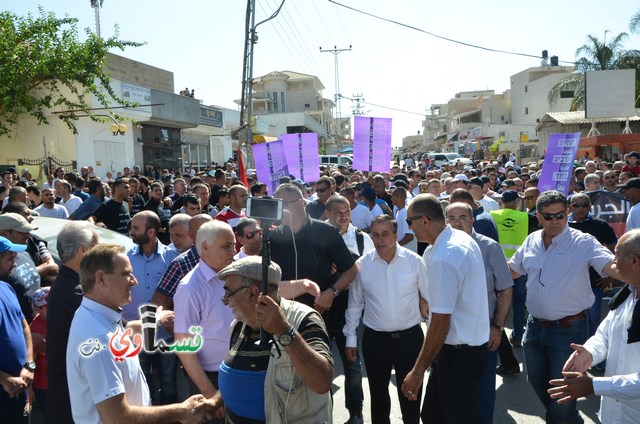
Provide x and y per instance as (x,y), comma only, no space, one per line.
(135,200)
(155,204)
(582,220)
(114,213)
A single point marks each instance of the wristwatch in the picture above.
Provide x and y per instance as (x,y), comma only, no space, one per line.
(29,366)
(499,327)
(336,292)
(285,339)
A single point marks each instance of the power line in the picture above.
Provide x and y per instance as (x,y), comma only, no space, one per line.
(440,36)
(361,100)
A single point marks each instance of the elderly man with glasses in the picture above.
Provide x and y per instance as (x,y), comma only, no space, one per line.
(557,261)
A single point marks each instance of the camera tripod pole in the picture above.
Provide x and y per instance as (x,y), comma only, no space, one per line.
(265,337)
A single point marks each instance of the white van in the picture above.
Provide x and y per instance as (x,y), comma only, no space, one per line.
(335,160)
(439,159)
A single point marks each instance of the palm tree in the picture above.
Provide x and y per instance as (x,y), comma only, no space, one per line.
(634,23)
(596,55)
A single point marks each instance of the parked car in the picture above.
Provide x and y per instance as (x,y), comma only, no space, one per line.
(439,159)
(336,160)
(49,228)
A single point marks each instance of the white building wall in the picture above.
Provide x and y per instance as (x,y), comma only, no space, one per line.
(530,90)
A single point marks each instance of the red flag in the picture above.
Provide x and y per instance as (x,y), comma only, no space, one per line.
(241,172)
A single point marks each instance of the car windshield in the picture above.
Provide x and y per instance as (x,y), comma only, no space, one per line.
(453,156)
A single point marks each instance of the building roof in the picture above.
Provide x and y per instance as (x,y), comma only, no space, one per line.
(577,118)
(292,76)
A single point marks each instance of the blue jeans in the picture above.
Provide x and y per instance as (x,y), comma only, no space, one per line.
(165,365)
(519,298)
(487,390)
(546,349)
(595,311)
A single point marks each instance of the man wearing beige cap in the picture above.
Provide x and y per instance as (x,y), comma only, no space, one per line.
(24,278)
(299,359)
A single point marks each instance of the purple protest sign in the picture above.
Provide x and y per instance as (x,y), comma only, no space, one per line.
(557,169)
(301,151)
(271,164)
(371,144)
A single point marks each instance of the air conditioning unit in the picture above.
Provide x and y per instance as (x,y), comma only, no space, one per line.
(501,134)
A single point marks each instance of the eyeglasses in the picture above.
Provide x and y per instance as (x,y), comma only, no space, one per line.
(581,205)
(462,218)
(414,218)
(252,234)
(610,178)
(227,295)
(321,190)
(549,216)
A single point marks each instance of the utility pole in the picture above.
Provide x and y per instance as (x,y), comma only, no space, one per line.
(337,96)
(358,108)
(246,101)
(96,5)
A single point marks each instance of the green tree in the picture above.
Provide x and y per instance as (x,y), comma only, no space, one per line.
(595,55)
(45,66)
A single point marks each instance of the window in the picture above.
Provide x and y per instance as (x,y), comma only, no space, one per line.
(282,102)
(526,110)
(307,106)
(526,88)
(275,102)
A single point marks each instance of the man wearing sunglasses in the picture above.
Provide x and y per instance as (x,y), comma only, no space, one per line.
(582,220)
(249,234)
(557,261)
(610,181)
(631,192)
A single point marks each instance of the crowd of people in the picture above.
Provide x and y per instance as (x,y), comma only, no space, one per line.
(414,270)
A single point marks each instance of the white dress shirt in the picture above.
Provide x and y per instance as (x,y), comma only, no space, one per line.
(633,219)
(387,292)
(489,204)
(620,386)
(458,287)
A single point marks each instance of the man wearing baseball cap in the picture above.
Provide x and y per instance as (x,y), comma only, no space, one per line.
(24,278)
(249,373)
(16,356)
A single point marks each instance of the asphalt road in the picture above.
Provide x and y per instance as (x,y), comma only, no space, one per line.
(516,401)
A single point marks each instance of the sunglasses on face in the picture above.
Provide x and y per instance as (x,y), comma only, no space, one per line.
(530,197)
(549,216)
(321,190)
(410,219)
(580,205)
(252,234)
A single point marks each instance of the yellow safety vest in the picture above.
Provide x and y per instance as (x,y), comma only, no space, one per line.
(513,228)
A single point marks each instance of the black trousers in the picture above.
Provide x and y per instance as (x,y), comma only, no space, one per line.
(451,392)
(383,352)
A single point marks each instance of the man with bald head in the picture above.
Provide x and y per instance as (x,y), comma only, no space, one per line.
(581,219)
(616,341)
(179,267)
(149,260)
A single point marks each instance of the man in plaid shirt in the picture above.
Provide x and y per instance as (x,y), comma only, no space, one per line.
(179,267)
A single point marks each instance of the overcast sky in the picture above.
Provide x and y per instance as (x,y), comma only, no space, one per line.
(202,42)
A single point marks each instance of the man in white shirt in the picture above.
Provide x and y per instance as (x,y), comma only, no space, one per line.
(361,216)
(49,208)
(69,201)
(631,192)
(404,234)
(618,341)
(475,187)
(99,379)
(456,342)
(390,282)
(249,234)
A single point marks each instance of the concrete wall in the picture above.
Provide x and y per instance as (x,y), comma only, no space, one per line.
(128,70)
